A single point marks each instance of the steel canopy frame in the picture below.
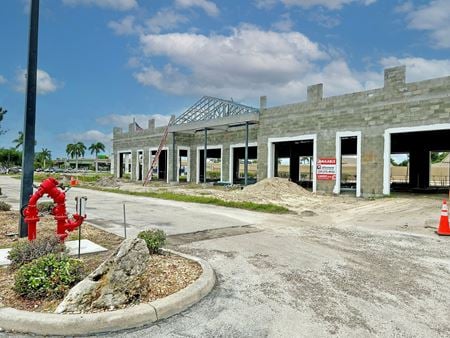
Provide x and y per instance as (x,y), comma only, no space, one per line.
(209,108)
(228,114)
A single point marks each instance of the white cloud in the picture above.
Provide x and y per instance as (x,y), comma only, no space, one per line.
(87,137)
(165,19)
(405,7)
(324,20)
(285,23)
(418,69)
(433,17)
(249,62)
(122,121)
(134,62)
(330,4)
(45,83)
(26,6)
(239,65)
(121,5)
(2,80)
(208,6)
(265,4)
(126,26)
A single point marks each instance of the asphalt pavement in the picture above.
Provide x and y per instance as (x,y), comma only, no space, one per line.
(294,276)
(105,210)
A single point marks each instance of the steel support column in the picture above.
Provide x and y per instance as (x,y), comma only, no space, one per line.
(174,159)
(26,189)
(246,155)
(205,152)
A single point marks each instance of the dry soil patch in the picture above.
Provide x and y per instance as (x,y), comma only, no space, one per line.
(167,273)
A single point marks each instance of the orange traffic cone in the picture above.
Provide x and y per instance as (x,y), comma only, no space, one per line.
(444,229)
(73,181)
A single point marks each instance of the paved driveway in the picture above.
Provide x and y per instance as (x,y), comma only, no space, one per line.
(289,276)
(106,210)
(310,281)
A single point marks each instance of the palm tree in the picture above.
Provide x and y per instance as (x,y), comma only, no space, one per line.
(96,148)
(2,113)
(45,155)
(19,140)
(75,150)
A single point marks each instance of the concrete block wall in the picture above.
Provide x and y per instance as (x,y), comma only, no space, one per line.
(135,140)
(397,104)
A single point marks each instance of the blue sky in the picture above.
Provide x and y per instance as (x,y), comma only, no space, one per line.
(103,62)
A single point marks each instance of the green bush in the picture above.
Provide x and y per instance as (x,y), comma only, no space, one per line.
(50,276)
(4,206)
(25,251)
(45,207)
(154,239)
(213,175)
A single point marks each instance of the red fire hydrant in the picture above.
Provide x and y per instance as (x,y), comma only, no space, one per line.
(63,224)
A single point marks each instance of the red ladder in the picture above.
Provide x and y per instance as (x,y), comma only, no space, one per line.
(149,175)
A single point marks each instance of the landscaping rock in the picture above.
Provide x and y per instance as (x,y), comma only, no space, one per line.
(118,281)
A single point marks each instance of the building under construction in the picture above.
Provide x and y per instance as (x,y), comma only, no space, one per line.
(332,144)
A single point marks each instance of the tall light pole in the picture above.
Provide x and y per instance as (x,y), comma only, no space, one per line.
(26,189)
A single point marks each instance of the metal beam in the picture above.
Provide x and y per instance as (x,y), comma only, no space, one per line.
(26,189)
(228,121)
(211,108)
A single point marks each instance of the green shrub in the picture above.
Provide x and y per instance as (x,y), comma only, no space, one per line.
(4,206)
(45,207)
(154,239)
(213,175)
(25,251)
(50,276)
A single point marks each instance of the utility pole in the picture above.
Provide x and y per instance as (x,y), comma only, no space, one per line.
(26,189)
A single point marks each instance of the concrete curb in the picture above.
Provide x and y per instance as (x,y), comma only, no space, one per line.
(52,324)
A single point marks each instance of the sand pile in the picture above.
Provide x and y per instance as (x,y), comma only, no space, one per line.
(274,188)
(108,182)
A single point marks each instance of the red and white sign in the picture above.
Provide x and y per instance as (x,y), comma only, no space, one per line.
(326,169)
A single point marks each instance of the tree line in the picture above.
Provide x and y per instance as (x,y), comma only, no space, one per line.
(43,159)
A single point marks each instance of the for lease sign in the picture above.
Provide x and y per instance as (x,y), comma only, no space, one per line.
(326,169)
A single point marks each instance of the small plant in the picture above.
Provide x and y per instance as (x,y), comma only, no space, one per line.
(50,276)
(25,251)
(154,239)
(213,175)
(4,206)
(46,207)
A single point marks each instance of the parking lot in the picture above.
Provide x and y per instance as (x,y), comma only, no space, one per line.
(349,268)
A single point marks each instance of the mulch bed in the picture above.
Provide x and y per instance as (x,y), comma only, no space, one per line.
(167,273)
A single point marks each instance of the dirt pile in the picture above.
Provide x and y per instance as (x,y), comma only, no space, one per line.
(108,182)
(274,188)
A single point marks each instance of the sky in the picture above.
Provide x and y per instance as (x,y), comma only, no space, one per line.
(104,62)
